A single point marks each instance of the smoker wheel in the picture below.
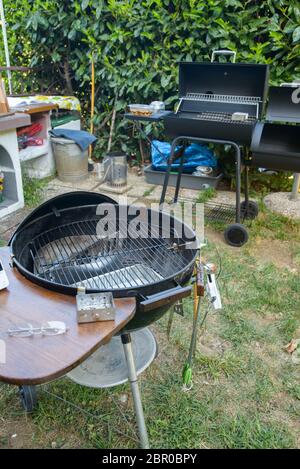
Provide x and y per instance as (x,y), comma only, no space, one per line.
(236,235)
(28,396)
(251,211)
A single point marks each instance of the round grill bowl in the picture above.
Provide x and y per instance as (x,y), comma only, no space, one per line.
(105,247)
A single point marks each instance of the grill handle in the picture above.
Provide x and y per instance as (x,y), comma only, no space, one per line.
(164,298)
(223,52)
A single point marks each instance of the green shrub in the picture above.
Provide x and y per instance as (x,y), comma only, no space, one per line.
(136,46)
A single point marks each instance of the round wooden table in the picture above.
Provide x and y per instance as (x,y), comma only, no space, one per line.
(40,359)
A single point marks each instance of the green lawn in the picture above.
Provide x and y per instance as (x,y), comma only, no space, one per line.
(246,391)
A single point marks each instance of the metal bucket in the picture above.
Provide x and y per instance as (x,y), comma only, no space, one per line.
(71,161)
(115,168)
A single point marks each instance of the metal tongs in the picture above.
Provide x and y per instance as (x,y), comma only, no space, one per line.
(50,328)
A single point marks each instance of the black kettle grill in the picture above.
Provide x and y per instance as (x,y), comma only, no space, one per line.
(59,248)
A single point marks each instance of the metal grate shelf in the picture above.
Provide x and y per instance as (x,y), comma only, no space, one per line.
(221,212)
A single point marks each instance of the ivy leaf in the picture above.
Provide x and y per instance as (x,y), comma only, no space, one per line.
(165,80)
(55,56)
(85,4)
(296,34)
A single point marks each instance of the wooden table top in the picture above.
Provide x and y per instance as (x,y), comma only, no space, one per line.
(38,359)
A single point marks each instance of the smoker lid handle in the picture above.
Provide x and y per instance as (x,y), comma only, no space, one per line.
(256,136)
(223,52)
(292,84)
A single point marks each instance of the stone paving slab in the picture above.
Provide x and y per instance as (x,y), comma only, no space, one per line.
(86,185)
(137,191)
(113,189)
(140,190)
(9,224)
(280,202)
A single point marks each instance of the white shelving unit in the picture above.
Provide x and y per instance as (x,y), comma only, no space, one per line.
(30,153)
(38,161)
(10,166)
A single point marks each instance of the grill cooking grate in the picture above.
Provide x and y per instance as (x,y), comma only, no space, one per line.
(223,117)
(74,255)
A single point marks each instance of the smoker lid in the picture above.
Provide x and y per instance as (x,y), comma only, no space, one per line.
(68,200)
(283,105)
(237,79)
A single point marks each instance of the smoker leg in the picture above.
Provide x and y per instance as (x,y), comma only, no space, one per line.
(166,182)
(167,175)
(179,173)
(247,185)
(126,340)
(296,184)
(238,183)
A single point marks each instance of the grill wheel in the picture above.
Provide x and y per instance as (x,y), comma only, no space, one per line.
(236,235)
(250,212)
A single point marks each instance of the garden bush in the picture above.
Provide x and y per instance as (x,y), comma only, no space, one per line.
(136,45)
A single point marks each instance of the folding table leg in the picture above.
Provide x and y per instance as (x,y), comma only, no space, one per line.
(132,375)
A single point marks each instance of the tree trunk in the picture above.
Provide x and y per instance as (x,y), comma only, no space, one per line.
(69,87)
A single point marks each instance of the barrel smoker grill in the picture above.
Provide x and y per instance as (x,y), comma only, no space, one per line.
(209,96)
(219,103)
(58,247)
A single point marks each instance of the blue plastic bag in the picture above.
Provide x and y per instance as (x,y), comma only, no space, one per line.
(194,155)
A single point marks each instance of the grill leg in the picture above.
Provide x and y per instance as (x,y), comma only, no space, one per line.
(132,375)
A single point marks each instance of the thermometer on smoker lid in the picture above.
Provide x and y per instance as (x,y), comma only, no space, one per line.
(3,277)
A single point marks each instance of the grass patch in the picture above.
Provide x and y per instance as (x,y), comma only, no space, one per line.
(275,226)
(2,243)
(206,194)
(33,190)
(148,191)
(250,432)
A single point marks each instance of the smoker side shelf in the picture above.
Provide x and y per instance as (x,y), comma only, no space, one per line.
(155,117)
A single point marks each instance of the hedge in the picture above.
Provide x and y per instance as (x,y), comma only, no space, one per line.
(136,45)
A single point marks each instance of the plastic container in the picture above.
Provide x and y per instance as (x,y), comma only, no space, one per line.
(188,181)
(157,106)
(140,109)
(71,161)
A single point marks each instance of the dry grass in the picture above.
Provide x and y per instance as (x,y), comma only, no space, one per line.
(246,391)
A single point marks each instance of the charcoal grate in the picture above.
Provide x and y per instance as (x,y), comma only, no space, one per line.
(73,254)
(223,117)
